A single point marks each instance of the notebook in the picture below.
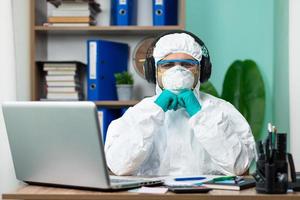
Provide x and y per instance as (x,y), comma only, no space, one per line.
(230,184)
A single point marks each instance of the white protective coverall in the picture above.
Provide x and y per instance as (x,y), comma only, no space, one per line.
(148,141)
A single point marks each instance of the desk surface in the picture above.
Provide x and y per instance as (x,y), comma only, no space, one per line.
(50,193)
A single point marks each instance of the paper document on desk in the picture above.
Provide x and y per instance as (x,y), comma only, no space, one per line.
(150,190)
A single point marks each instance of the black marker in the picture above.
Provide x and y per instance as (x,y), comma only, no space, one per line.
(260,148)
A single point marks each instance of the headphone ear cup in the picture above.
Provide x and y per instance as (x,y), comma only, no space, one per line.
(205,69)
(149,69)
(152,70)
(145,67)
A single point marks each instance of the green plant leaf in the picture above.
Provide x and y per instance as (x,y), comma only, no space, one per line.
(208,88)
(244,87)
(123,78)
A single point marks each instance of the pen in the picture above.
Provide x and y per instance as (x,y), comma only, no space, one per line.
(274,136)
(190,178)
(267,158)
(261,154)
(224,178)
(270,140)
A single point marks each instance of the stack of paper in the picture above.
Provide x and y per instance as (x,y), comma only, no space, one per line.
(73,13)
(63,81)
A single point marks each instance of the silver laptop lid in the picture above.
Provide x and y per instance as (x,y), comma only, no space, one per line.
(56,143)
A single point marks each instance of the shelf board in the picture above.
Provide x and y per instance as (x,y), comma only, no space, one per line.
(116,104)
(109,29)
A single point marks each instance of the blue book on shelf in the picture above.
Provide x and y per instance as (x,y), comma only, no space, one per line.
(123,12)
(165,12)
(104,58)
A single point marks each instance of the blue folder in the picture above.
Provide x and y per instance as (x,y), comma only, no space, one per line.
(165,12)
(108,115)
(123,12)
(104,58)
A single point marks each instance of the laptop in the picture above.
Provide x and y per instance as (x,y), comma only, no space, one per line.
(59,144)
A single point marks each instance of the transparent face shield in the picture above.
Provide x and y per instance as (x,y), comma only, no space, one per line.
(189,64)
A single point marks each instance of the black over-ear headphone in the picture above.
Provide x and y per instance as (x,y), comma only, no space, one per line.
(205,64)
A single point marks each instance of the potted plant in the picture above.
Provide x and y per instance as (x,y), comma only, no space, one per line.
(124,84)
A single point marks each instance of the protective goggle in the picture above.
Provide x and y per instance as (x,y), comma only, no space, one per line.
(188,63)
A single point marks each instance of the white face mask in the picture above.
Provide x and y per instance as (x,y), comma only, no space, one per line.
(177,79)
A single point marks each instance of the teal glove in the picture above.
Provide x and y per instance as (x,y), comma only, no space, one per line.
(167,100)
(188,100)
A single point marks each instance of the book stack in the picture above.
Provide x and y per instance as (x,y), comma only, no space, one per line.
(63,81)
(78,13)
(223,183)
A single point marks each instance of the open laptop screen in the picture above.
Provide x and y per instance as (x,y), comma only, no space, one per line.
(57,143)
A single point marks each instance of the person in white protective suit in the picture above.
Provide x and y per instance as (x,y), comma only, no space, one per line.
(180,130)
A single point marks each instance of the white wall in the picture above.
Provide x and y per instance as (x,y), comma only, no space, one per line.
(7,92)
(294,81)
(21,21)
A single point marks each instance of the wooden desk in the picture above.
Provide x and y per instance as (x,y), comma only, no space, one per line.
(49,193)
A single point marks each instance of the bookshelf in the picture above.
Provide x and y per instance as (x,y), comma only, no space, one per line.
(109,29)
(44,40)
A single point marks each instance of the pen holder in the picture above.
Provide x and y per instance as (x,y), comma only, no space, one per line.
(273,177)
